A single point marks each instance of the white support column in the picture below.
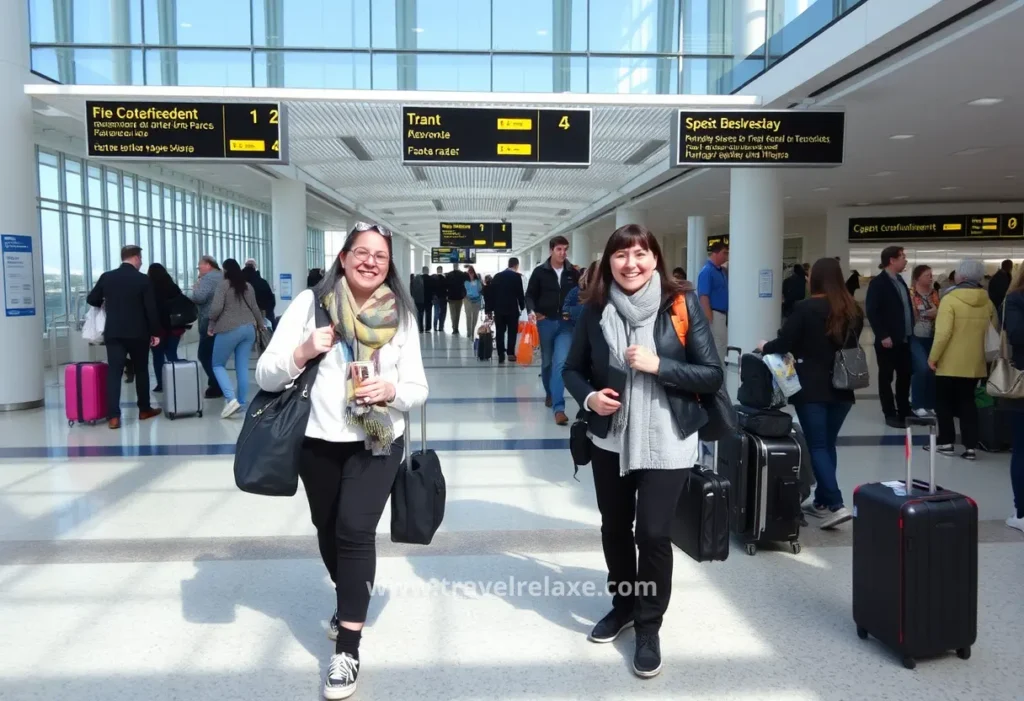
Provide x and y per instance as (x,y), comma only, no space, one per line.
(630,215)
(21,325)
(749,26)
(837,239)
(288,216)
(696,246)
(756,225)
(580,248)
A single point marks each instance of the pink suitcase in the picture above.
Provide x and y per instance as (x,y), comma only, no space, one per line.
(85,392)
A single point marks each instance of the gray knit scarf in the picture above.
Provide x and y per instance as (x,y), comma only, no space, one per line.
(644,423)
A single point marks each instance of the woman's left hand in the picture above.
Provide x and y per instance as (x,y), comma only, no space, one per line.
(643,359)
(933,365)
(375,391)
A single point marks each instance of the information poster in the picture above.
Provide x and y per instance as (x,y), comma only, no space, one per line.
(765,282)
(285,286)
(19,278)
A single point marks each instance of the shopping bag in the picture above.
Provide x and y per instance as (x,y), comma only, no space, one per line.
(524,350)
(95,323)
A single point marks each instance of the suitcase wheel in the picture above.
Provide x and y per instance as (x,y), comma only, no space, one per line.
(171,415)
(909,662)
(862,633)
(71,424)
(964,653)
(795,547)
(751,549)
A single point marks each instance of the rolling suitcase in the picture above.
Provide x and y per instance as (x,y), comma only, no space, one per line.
(700,526)
(915,563)
(419,492)
(766,488)
(485,346)
(85,392)
(182,393)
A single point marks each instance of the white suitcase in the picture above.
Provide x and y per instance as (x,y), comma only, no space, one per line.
(182,392)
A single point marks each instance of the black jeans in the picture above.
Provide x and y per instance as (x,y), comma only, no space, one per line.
(423,314)
(649,496)
(954,397)
(205,355)
(347,488)
(506,328)
(119,350)
(895,360)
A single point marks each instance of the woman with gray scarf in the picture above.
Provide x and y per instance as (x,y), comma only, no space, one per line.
(637,384)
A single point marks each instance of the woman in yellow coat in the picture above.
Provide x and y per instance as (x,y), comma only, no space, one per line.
(958,356)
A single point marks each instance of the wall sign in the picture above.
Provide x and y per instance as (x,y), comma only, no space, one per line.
(496,136)
(962,227)
(186,131)
(712,240)
(19,276)
(765,282)
(477,234)
(448,254)
(752,138)
(284,286)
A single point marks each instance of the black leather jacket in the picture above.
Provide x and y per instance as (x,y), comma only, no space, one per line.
(684,372)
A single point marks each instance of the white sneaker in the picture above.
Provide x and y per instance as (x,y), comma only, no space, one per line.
(835,518)
(1015,522)
(230,408)
(924,413)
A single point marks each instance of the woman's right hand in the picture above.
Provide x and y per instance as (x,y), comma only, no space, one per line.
(604,403)
(319,342)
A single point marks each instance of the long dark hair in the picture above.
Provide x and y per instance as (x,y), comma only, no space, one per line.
(162,282)
(827,281)
(471,273)
(596,293)
(392,279)
(234,275)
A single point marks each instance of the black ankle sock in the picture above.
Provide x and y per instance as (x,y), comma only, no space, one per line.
(1020,513)
(348,641)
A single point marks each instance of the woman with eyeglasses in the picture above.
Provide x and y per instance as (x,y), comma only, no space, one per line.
(370,373)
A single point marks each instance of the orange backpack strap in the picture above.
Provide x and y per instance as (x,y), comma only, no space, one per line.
(680,318)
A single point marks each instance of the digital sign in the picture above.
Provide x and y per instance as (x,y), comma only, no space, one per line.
(712,240)
(496,136)
(963,227)
(186,131)
(751,138)
(447,254)
(477,234)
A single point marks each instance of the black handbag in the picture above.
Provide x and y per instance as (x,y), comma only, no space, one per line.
(269,446)
(722,420)
(419,492)
(580,446)
(183,312)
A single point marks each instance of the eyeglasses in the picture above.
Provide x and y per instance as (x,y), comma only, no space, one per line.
(362,226)
(362,255)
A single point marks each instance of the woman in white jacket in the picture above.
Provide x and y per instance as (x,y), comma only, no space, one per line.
(355,436)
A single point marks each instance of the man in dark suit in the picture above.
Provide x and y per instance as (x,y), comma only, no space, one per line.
(132,328)
(890,312)
(505,302)
(265,298)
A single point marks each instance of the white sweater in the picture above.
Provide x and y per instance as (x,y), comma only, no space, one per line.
(400,364)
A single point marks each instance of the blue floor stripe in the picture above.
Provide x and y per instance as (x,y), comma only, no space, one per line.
(447,446)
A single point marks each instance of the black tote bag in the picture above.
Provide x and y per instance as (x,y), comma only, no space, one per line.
(268,447)
(419,492)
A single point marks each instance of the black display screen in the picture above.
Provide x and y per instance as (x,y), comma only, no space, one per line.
(477,234)
(447,254)
(963,227)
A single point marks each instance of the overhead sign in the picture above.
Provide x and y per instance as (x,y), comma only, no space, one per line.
(712,240)
(477,234)
(974,227)
(496,136)
(186,131)
(447,254)
(751,138)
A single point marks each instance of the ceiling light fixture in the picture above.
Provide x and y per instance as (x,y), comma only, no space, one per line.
(419,173)
(901,197)
(437,205)
(562,212)
(418,30)
(512,205)
(985,101)
(972,151)
(528,174)
(863,204)
(951,187)
(357,149)
(542,32)
(186,25)
(901,137)
(881,174)
(1010,177)
(822,189)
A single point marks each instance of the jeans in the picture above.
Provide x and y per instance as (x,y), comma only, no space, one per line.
(506,328)
(641,585)
(1017,462)
(922,381)
(555,341)
(821,423)
(347,487)
(118,352)
(895,360)
(440,313)
(239,342)
(472,316)
(166,352)
(954,397)
(205,355)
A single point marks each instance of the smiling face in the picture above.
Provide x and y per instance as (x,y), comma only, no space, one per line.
(367,263)
(633,267)
(558,255)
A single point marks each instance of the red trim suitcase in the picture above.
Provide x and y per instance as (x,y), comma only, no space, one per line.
(85,392)
(915,564)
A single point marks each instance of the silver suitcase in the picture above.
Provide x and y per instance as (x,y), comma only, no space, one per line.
(182,394)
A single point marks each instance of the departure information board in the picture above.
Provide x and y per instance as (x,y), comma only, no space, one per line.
(750,138)
(496,136)
(972,227)
(447,254)
(477,234)
(712,240)
(186,131)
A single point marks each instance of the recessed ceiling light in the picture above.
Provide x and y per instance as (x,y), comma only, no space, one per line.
(1010,177)
(985,101)
(901,197)
(542,32)
(881,174)
(901,137)
(418,30)
(186,25)
(822,189)
(788,197)
(972,151)
(951,187)
(863,204)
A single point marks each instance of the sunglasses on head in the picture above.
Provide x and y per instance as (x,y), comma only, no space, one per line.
(362,226)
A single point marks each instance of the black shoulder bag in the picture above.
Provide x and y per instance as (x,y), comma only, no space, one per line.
(268,448)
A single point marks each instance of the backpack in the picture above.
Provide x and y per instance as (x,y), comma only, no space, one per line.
(757,385)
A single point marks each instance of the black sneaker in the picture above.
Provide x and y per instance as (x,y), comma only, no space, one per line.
(895,422)
(158,389)
(647,658)
(213,394)
(332,626)
(969,455)
(949,450)
(341,677)
(609,627)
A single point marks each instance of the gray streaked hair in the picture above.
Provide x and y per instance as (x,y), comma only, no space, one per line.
(971,269)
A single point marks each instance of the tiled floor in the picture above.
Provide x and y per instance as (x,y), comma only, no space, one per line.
(131,566)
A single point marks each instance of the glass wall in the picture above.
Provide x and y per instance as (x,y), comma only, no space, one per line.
(88,211)
(314,247)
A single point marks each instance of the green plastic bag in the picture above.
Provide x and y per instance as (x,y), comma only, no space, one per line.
(982,399)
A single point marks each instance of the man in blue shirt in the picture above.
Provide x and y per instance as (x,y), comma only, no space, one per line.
(713,291)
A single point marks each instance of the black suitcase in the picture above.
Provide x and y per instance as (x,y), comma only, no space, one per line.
(995,429)
(484,346)
(915,564)
(700,527)
(419,493)
(766,488)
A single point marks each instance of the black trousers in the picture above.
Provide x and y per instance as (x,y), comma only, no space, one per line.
(650,497)
(423,315)
(506,328)
(119,350)
(347,488)
(895,360)
(954,397)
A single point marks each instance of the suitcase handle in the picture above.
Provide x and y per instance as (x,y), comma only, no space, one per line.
(931,423)
(423,434)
